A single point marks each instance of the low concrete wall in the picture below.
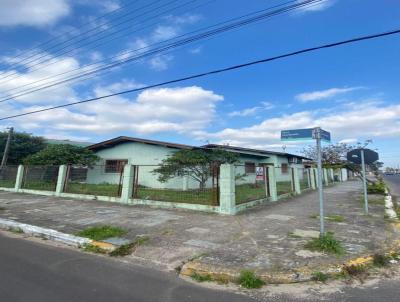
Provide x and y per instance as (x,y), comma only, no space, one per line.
(244,206)
(174,205)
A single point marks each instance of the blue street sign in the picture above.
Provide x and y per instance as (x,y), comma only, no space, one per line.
(304,134)
(297,134)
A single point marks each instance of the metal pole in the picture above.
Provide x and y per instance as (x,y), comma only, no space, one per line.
(320,184)
(364,182)
(7,148)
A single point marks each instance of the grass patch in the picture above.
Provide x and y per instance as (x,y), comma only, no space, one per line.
(101,232)
(2,209)
(40,185)
(326,243)
(376,188)
(320,277)
(284,187)
(127,249)
(7,183)
(93,249)
(104,189)
(201,278)
(380,260)
(333,217)
(248,192)
(16,230)
(293,235)
(248,279)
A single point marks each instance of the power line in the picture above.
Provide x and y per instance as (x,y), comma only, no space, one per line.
(167,47)
(64,49)
(217,71)
(55,38)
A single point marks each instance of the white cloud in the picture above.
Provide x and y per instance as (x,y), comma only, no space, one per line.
(180,109)
(323,94)
(252,111)
(160,62)
(371,121)
(32,12)
(317,6)
(109,6)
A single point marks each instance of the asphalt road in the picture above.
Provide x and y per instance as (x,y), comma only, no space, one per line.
(394,183)
(30,271)
(37,272)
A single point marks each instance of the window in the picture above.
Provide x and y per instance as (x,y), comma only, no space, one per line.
(115,165)
(284,168)
(249,168)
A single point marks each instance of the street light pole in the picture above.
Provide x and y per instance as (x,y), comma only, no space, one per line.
(364,181)
(7,148)
(317,135)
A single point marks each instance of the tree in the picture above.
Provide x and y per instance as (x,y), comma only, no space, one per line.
(197,164)
(62,154)
(331,154)
(22,145)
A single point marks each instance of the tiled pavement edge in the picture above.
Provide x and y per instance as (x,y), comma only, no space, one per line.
(260,239)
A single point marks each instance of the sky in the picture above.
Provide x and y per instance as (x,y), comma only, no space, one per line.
(352,91)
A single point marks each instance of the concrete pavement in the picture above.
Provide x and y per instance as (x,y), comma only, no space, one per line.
(265,239)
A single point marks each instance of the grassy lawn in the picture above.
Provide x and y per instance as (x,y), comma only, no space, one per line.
(93,189)
(304,184)
(249,192)
(7,183)
(204,196)
(283,187)
(40,185)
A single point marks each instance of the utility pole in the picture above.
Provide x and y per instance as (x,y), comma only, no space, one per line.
(364,181)
(7,147)
(317,136)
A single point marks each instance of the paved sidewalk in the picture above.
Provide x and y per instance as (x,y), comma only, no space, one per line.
(261,238)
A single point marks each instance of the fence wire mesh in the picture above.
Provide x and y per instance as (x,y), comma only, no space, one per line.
(251,183)
(96,180)
(304,178)
(195,185)
(284,180)
(8,175)
(40,178)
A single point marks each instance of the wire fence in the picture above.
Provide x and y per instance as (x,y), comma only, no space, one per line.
(251,183)
(40,178)
(284,180)
(304,178)
(8,175)
(99,180)
(197,185)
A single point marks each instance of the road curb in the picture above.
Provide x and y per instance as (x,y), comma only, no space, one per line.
(50,234)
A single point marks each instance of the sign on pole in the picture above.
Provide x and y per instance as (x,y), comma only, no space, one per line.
(363,156)
(310,134)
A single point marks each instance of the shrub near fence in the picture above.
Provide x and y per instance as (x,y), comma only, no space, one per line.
(251,183)
(42,178)
(8,175)
(95,180)
(181,189)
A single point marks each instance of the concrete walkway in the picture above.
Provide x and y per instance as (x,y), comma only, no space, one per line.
(263,238)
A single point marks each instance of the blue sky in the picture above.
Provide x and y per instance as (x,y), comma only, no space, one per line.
(351,91)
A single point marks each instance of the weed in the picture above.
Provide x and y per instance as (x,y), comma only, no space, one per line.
(16,230)
(333,217)
(201,278)
(93,249)
(354,269)
(127,249)
(326,243)
(320,277)
(293,235)
(101,232)
(248,279)
(377,188)
(380,260)
(2,209)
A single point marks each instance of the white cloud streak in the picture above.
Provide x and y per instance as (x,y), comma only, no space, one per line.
(323,94)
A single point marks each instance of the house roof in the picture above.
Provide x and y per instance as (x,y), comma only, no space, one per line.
(124,139)
(256,152)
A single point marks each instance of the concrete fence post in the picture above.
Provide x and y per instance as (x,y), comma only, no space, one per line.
(19,178)
(61,179)
(325,171)
(332,174)
(312,178)
(343,173)
(273,192)
(127,183)
(296,179)
(227,202)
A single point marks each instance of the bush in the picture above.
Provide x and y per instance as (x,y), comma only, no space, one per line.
(248,279)
(377,188)
(326,243)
